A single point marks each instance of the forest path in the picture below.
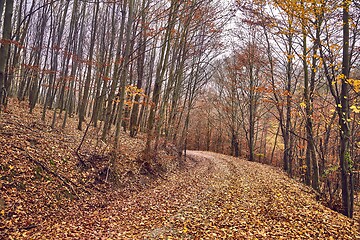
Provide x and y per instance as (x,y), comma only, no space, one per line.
(216,197)
(244,200)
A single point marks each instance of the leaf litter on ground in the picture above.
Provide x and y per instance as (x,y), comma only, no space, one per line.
(45,195)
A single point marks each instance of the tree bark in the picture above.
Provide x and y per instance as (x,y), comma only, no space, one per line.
(4,49)
(344,115)
(124,72)
(83,103)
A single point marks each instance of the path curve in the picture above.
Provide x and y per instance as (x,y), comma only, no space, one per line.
(245,200)
(215,197)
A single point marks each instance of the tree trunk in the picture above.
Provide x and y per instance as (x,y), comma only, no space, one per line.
(134,126)
(124,73)
(344,115)
(50,95)
(159,78)
(286,132)
(115,77)
(4,49)
(83,103)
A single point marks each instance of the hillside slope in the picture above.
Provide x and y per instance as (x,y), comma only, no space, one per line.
(45,194)
(42,180)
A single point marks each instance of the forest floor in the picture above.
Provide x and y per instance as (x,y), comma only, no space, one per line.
(45,194)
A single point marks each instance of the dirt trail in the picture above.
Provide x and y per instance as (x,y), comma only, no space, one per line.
(237,199)
(216,197)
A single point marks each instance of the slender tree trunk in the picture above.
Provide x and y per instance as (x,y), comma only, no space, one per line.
(134,126)
(72,40)
(159,78)
(124,73)
(308,126)
(35,85)
(310,109)
(343,112)
(83,103)
(115,77)
(286,133)
(144,107)
(50,95)
(2,4)
(4,49)
(251,116)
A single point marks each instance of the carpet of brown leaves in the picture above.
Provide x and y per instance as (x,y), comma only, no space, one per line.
(46,195)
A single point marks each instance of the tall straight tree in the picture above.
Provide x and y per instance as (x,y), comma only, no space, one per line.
(103,80)
(160,73)
(72,44)
(125,70)
(134,125)
(312,169)
(84,101)
(118,61)
(36,78)
(56,40)
(4,49)
(344,115)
